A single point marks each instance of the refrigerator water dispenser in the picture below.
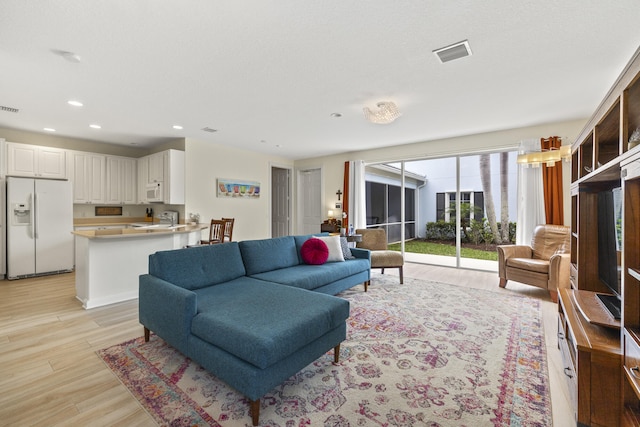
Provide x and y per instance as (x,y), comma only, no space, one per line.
(21,214)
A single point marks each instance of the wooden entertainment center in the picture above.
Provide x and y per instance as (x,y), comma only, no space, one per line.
(601,355)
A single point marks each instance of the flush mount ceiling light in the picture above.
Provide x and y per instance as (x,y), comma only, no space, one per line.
(387,112)
(454,51)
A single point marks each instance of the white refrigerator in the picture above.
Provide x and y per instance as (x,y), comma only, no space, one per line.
(39,223)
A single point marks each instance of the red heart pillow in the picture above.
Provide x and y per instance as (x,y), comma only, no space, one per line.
(314,252)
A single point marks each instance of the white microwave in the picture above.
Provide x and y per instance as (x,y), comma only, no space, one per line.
(154,192)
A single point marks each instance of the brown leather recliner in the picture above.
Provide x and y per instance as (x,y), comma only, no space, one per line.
(545,264)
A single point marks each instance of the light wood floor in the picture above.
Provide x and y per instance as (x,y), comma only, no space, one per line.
(50,374)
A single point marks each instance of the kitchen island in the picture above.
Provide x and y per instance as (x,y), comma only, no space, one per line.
(109,261)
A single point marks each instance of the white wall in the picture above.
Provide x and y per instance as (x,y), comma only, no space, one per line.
(205,162)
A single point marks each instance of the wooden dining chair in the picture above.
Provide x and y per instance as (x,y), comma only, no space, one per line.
(216,232)
(228,229)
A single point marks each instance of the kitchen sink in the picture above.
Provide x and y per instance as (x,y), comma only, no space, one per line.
(145,226)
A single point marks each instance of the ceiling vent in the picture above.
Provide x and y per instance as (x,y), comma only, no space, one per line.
(208,129)
(8,109)
(454,51)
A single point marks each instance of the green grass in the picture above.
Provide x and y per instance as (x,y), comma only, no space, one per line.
(445,250)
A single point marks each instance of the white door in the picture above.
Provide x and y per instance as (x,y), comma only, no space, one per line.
(280,202)
(53,226)
(310,197)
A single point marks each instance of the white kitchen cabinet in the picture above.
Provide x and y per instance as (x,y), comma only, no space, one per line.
(121,180)
(174,171)
(36,161)
(155,172)
(143,172)
(89,178)
(166,167)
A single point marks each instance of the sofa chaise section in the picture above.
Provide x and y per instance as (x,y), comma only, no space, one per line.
(251,333)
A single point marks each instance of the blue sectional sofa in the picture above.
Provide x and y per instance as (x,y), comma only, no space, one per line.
(252,313)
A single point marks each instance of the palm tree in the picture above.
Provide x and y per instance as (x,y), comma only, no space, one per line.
(485,178)
(504,196)
(465,216)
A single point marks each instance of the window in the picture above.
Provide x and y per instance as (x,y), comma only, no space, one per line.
(471,202)
(384,209)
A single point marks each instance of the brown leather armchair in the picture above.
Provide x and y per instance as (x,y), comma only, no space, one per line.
(375,239)
(545,264)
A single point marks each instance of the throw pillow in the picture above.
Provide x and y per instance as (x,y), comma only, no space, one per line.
(346,251)
(333,243)
(314,252)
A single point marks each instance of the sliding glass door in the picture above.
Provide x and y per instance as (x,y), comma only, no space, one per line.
(456,209)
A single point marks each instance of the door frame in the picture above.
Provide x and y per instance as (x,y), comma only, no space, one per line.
(299,208)
(273,166)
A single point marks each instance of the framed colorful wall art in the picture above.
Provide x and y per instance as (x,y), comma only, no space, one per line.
(238,188)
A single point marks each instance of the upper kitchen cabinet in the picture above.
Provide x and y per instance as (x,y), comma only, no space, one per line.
(89,177)
(121,182)
(174,177)
(165,168)
(35,161)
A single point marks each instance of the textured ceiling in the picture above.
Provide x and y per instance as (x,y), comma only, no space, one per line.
(268,74)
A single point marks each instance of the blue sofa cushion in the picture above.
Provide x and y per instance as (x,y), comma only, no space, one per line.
(264,323)
(268,254)
(198,267)
(314,276)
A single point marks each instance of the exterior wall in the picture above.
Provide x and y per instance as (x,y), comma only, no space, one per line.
(441,178)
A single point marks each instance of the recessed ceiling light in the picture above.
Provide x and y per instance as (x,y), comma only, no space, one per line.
(50,129)
(95,126)
(70,56)
(75,103)
(335,115)
(178,127)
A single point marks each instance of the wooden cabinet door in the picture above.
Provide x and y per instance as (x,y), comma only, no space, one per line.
(36,162)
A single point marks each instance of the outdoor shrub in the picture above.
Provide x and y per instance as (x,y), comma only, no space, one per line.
(440,230)
(476,231)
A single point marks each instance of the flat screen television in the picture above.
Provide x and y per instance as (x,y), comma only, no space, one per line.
(609,244)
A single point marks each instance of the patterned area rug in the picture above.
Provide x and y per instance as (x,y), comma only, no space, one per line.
(418,354)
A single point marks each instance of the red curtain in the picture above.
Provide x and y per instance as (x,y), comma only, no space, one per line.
(552,183)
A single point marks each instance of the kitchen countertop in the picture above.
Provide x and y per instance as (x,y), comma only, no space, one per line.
(100,222)
(123,232)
